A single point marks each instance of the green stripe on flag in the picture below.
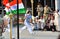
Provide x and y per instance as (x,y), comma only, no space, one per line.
(21,11)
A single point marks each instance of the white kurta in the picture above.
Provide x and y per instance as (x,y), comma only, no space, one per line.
(56,22)
(6,19)
(42,22)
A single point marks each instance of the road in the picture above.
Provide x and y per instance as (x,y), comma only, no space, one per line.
(37,34)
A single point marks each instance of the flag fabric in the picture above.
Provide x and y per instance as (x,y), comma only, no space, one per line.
(11,7)
(5,2)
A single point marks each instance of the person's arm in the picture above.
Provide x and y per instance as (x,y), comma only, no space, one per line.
(31,19)
(25,16)
(50,9)
(59,12)
(39,20)
(42,9)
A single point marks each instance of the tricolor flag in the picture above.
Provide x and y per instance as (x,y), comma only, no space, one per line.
(12,6)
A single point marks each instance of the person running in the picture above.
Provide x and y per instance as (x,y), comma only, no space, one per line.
(28,20)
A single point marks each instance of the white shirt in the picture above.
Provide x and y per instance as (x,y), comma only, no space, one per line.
(41,20)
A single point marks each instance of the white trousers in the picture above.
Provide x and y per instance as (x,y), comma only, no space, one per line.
(40,25)
(28,26)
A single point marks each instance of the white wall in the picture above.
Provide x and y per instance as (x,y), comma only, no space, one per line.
(57,4)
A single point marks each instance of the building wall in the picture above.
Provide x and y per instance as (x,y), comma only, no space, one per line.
(57,4)
(1,9)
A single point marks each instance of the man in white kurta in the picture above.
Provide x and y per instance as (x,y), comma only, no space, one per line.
(6,19)
(56,22)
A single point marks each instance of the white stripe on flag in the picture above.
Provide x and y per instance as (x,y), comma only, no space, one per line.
(14,7)
(6,9)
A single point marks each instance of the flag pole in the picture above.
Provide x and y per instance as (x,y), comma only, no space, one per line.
(17,20)
(32,6)
(32,10)
(10,15)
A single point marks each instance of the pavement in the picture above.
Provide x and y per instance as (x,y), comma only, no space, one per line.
(26,35)
(39,35)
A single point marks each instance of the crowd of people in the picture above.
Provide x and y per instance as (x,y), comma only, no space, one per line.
(45,24)
(47,19)
(50,22)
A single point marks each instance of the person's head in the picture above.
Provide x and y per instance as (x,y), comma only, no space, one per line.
(39,4)
(41,17)
(46,6)
(29,12)
(4,12)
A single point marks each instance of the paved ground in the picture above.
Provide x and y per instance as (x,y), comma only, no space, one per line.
(38,34)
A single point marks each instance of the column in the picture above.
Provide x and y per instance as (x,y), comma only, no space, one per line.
(32,6)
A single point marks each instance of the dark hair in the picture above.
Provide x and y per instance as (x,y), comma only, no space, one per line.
(28,12)
(4,12)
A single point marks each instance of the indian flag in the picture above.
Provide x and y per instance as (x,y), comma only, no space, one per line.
(11,7)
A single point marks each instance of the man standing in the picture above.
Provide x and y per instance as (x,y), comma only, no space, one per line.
(39,9)
(47,11)
(57,20)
